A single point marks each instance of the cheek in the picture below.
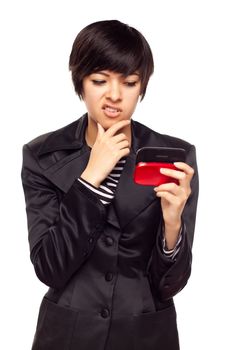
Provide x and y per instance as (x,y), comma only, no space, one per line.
(133,100)
(91,94)
(91,99)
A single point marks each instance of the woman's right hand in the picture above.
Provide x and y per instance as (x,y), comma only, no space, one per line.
(107,150)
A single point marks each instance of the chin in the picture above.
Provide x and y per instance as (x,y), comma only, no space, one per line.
(107,125)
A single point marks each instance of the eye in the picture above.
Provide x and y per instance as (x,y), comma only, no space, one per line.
(130,83)
(98,82)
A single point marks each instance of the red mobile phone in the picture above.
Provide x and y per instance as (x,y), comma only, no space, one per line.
(149,160)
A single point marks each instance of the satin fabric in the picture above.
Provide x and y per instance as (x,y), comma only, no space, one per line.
(110,286)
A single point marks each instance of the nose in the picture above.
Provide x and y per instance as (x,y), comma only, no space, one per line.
(114,91)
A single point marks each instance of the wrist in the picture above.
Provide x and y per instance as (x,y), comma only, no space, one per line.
(172,227)
(171,233)
(90,177)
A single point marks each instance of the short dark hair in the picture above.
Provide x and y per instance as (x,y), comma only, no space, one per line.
(110,45)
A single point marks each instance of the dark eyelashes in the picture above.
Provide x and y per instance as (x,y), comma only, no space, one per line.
(133,83)
(98,82)
(101,82)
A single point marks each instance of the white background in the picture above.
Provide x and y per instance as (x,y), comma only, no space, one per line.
(190,96)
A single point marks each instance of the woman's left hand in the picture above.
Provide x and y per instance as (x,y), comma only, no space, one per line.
(173,196)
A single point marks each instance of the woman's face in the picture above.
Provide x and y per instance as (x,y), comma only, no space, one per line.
(110,97)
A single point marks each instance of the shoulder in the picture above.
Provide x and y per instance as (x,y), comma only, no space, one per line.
(154,138)
(54,139)
(49,148)
(35,144)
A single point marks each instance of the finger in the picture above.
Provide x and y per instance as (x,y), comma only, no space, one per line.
(176,174)
(168,187)
(188,170)
(123,144)
(119,137)
(117,126)
(101,130)
(185,167)
(124,152)
(171,198)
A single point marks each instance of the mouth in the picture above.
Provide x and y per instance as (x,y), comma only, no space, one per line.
(111,111)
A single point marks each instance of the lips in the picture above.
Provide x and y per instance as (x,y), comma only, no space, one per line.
(111,108)
(111,111)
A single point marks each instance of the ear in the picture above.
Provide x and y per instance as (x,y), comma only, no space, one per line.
(81,95)
(140,97)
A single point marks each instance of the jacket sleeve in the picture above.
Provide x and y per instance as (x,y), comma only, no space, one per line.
(62,227)
(169,276)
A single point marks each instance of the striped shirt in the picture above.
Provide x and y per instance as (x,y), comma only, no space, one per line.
(107,188)
(106,192)
(171,253)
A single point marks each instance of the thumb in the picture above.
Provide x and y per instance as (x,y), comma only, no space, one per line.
(101,130)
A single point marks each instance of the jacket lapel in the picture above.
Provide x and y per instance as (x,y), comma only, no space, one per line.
(130,198)
(65,172)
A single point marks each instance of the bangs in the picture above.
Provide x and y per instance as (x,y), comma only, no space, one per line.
(113,51)
(121,57)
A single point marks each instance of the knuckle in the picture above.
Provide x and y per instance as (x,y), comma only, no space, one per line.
(103,139)
(191,171)
(182,175)
(116,155)
(184,195)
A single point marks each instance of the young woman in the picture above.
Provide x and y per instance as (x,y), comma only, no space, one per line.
(113,252)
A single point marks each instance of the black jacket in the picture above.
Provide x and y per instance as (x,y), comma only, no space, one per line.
(111,287)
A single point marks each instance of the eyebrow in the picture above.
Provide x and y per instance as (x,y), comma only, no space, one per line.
(107,75)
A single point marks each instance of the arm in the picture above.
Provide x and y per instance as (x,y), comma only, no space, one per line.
(169,276)
(63,228)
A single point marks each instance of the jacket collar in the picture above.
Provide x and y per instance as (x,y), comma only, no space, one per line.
(72,136)
(130,198)
(68,137)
